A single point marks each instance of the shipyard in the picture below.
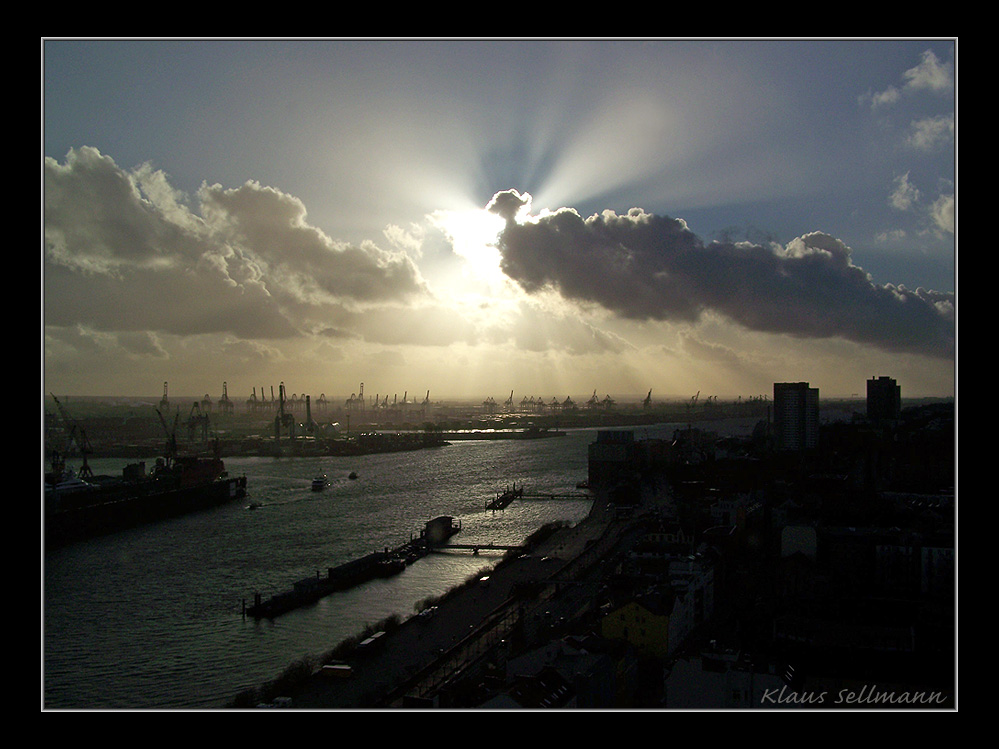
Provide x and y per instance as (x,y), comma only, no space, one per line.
(292,424)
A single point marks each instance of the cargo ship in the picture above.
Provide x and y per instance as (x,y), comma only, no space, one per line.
(78,507)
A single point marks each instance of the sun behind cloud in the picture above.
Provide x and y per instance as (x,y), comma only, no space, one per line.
(473,233)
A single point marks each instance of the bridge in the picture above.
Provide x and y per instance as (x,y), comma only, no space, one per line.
(558,495)
(475,548)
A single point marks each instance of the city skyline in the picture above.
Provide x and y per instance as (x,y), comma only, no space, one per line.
(470,218)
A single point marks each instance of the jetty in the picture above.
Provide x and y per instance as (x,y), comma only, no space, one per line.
(503,499)
(375,565)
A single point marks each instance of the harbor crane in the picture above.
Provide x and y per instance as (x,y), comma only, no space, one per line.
(198,419)
(75,433)
(283,419)
(171,434)
(226,406)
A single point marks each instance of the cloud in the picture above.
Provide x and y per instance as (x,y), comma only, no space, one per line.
(641,266)
(939,213)
(904,194)
(929,133)
(921,149)
(123,252)
(931,75)
(943,213)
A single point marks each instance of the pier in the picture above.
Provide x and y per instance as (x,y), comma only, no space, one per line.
(503,499)
(355,572)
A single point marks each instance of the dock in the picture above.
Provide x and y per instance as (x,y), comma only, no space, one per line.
(503,499)
(375,565)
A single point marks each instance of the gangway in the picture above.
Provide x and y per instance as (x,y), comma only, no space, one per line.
(476,548)
(503,499)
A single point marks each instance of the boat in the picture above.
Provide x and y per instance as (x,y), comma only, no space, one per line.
(319,483)
(377,564)
(439,530)
(352,475)
(78,507)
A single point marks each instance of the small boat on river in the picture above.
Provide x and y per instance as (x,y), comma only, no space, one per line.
(319,483)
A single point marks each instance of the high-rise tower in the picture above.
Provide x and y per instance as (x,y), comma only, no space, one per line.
(796,415)
(884,399)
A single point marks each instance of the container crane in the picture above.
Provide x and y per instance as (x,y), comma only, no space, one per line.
(226,405)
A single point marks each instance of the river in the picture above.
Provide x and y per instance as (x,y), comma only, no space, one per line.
(152,618)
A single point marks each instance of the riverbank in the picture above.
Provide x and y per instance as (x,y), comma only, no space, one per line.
(416,655)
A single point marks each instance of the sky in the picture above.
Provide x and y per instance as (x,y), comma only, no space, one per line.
(468,218)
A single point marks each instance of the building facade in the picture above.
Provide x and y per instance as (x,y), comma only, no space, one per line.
(796,416)
(884,399)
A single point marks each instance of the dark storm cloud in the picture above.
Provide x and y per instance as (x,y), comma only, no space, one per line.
(647,267)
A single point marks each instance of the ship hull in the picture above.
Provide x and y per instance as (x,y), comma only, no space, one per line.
(114,508)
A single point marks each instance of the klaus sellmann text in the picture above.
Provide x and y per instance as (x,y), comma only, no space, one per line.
(866,695)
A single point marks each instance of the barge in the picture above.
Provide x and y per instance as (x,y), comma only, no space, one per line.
(372,566)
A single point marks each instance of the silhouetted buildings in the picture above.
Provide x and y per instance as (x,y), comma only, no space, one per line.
(884,400)
(796,416)
(612,458)
(811,566)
